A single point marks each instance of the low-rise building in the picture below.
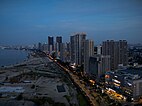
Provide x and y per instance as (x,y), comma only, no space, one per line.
(127,82)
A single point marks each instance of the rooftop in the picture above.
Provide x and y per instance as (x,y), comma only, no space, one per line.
(134,73)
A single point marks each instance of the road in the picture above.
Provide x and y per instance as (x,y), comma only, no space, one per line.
(81,86)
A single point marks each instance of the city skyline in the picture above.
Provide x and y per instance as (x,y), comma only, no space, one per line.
(71,52)
(29,22)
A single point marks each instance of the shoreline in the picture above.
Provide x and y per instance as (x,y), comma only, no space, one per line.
(22,62)
(15,65)
(40,78)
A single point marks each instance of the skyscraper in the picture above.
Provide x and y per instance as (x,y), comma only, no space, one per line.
(123,56)
(59,39)
(99,49)
(98,65)
(58,42)
(93,66)
(72,49)
(104,64)
(50,44)
(45,47)
(117,51)
(67,52)
(62,51)
(88,52)
(77,48)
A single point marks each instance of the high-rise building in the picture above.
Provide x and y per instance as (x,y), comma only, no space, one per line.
(99,49)
(72,49)
(62,51)
(59,39)
(39,46)
(68,46)
(93,66)
(123,55)
(88,52)
(58,42)
(50,44)
(104,64)
(98,65)
(77,48)
(117,51)
(45,47)
(68,52)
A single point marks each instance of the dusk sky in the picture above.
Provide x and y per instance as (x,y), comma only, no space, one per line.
(32,21)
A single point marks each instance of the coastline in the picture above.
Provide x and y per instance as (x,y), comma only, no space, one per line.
(19,63)
(15,65)
(41,79)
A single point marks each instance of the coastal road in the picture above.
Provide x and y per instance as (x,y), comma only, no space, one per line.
(81,86)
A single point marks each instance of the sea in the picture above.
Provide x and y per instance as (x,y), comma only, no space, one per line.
(11,57)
